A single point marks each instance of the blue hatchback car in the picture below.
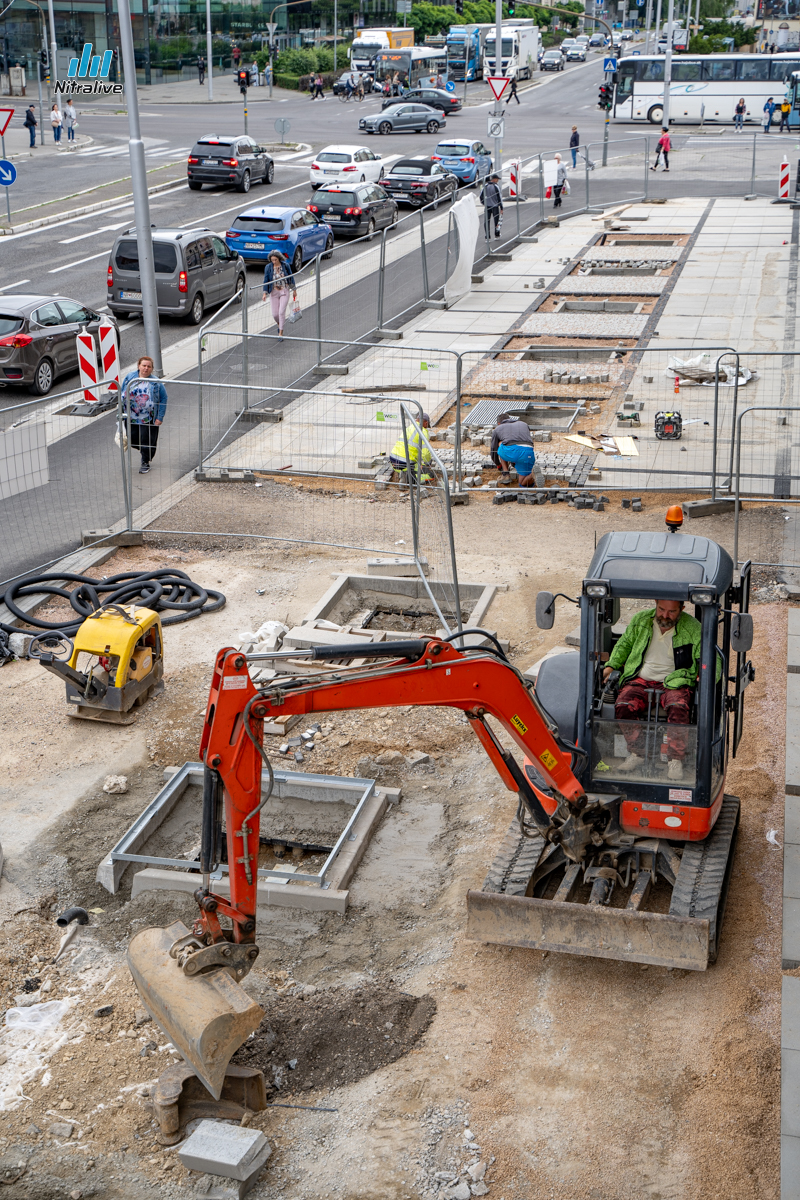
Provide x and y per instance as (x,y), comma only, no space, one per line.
(469,161)
(296,232)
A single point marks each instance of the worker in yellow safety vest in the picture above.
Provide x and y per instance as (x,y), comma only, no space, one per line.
(398,455)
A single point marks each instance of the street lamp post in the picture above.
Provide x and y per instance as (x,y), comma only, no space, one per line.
(141,203)
(668,64)
(53,63)
(209,56)
(272,27)
(498,70)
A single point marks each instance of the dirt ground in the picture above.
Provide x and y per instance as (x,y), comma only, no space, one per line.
(568,1078)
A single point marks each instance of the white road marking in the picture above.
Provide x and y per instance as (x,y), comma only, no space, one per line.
(81,236)
(78,262)
(19,283)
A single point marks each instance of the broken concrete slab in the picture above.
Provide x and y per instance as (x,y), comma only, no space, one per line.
(231,1151)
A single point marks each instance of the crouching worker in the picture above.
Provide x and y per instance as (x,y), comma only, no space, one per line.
(512,444)
(398,455)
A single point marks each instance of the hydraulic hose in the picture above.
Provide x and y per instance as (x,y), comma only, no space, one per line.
(165,591)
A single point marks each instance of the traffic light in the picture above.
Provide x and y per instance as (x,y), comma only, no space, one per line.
(459,7)
(43,58)
(243,78)
(512,7)
(605,97)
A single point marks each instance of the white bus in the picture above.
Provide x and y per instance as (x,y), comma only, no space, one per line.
(712,83)
(416,66)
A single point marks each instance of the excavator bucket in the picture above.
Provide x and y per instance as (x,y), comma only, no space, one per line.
(206,1017)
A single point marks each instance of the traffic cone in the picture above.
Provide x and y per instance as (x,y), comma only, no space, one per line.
(677,386)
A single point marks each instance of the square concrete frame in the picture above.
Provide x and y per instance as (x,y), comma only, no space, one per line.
(391,588)
(323,892)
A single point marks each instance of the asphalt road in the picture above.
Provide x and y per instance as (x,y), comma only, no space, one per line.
(70,258)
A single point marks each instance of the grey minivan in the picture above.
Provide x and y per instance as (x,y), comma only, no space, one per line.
(195,270)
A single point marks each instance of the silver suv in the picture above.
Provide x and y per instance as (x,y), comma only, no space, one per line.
(195,270)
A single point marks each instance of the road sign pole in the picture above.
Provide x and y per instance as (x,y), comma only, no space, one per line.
(244,104)
(668,64)
(7,190)
(209,52)
(498,70)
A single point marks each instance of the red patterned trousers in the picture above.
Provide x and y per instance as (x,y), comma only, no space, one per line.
(632,704)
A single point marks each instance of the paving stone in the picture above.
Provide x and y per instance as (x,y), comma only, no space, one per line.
(61,1129)
(227,1150)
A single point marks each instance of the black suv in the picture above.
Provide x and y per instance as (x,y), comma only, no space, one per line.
(448,102)
(229,162)
(356,211)
(419,181)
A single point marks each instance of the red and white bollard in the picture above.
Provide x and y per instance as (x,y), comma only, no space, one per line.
(109,355)
(515,179)
(87,364)
(783,180)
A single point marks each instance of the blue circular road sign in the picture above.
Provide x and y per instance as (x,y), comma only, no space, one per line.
(8,172)
(450,86)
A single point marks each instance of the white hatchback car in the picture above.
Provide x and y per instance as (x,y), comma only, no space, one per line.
(345,164)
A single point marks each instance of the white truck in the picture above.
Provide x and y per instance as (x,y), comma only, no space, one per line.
(519,52)
(369,42)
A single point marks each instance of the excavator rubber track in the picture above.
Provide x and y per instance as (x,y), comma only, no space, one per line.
(504,912)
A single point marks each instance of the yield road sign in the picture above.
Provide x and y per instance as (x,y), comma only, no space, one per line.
(272,26)
(498,84)
(609,64)
(5,118)
(8,173)
(496,127)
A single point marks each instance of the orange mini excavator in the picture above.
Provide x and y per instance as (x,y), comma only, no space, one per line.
(597,862)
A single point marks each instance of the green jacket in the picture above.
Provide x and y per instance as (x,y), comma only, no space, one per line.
(629,651)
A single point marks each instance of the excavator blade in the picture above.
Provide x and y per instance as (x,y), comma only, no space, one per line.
(206,1017)
(592,930)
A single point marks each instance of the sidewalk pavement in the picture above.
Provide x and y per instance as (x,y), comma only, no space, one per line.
(18,141)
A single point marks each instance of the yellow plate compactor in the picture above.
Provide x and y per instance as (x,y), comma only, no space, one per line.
(114,663)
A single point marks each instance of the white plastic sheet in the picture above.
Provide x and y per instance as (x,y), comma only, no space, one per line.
(465,215)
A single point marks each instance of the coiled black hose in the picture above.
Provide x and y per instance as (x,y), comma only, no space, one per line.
(167,590)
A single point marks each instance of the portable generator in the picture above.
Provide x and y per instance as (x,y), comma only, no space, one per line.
(668,426)
(123,662)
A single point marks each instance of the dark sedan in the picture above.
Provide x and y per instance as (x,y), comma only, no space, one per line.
(356,211)
(37,339)
(419,181)
(447,102)
(229,162)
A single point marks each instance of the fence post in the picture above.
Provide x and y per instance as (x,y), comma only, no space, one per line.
(130,468)
(245,344)
(318,269)
(541,191)
(715,431)
(519,177)
(426,292)
(447,252)
(586,172)
(381,279)
(733,421)
(737,434)
(457,448)
(200,401)
(646,166)
(122,426)
(752,193)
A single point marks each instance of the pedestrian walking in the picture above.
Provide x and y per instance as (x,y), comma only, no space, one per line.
(70,119)
(146,399)
(766,119)
(739,115)
(512,90)
(236,54)
(57,121)
(201,69)
(786,108)
(561,181)
(492,200)
(574,142)
(278,282)
(664,146)
(318,89)
(30,124)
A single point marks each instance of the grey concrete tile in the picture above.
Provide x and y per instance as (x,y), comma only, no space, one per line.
(790,948)
(793,729)
(791,870)
(790,1013)
(790,1092)
(790,1167)
(791,820)
(794,621)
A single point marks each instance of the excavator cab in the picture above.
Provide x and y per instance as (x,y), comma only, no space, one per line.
(662,871)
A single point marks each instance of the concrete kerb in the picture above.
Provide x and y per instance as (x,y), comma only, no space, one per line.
(790,949)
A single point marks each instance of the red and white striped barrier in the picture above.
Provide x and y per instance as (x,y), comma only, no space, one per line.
(515,178)
(87,364)
(109,355)
(783,180)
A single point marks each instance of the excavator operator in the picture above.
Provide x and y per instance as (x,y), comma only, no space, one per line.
(657,654)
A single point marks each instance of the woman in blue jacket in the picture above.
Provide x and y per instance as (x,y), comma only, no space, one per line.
(278,282)
(148,403)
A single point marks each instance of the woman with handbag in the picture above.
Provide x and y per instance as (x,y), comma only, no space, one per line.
(56,120)
(278,282)
(71,119)
(561,181)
